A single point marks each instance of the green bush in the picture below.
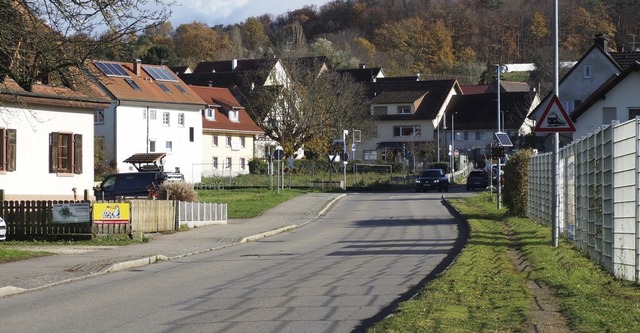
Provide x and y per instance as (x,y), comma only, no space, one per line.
(516,183)
(440,165)
(258,166)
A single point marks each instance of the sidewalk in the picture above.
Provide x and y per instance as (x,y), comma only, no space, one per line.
(76,262)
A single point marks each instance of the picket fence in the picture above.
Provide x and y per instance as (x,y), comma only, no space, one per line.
(598,200)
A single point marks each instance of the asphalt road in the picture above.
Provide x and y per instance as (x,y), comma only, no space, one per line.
(340,273)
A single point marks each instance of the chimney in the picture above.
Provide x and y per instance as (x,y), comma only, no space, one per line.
(137,67)
(600,40)
(234,64)
(362,66)
(210,83)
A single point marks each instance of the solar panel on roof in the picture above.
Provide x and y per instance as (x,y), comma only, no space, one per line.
(504,139)
(159,73)
(111,69)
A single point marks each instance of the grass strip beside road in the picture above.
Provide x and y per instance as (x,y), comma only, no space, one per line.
(248,203)
(483,291)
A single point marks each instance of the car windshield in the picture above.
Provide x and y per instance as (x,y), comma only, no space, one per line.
(431,173)
(477,174)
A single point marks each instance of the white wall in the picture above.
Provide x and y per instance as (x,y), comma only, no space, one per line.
(622,97)
(222,152)
(132,129)
(32,179)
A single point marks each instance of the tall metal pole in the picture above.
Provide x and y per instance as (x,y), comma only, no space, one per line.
(453,148)
(499,70)
(344,155)
(556,137)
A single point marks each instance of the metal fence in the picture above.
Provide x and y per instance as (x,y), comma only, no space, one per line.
(598,198)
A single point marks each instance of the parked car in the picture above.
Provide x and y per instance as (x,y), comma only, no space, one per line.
(477,179)
(432,179)
(144,184)
(3,230)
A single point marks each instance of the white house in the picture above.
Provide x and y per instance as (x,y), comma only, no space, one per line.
(597,66)
(616,100)
(228,134)
(152,111)
(407,116)
(46,141)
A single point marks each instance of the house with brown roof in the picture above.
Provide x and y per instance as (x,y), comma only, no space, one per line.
(407,116)
(46,140)
(152,111)
(228,133)
(473,119)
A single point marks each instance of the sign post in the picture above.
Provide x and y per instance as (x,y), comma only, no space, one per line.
(555,119)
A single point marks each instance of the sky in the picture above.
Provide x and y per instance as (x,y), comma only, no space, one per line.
(214,12)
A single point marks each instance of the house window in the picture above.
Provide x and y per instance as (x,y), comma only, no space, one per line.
(133,84)
(165,119)
(242,163)
(370,155)
(634,112)
(168,146)
(228,141)
(242,142)
(181,119)
(192,134)
(404,109)
(228,162)
(152,114)
(481,135)
(164,88)
(8,149)
(98,117)
(587,71)
(214,161)
(152,146)
(214,141)
(379,110)
(65,153)
(233,115)
(568,106)
(401,131)
(210,114)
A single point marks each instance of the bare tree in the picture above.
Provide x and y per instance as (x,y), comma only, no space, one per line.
(43,40)
(310,108)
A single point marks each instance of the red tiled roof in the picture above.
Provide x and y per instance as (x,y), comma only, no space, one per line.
(87,96)
(474,89)
(224,101)
(150,89)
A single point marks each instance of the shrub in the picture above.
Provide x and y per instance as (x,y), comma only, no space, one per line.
(516,183)
(181,191)
(258,166)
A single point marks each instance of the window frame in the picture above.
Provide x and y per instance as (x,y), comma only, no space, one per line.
(8,149)
(65,153)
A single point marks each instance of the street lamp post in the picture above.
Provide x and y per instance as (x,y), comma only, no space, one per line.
(453,147)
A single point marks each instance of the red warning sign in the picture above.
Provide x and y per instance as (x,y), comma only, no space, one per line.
(555,118)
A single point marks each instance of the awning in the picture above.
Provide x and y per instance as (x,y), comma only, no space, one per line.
(147,161)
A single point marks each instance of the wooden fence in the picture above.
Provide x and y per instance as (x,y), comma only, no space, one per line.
(27,220)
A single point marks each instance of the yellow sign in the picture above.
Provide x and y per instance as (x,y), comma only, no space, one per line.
(111,213)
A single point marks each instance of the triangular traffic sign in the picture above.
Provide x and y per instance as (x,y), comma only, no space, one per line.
(554,118)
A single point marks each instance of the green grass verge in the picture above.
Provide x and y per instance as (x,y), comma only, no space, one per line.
(248,203)
(484,292)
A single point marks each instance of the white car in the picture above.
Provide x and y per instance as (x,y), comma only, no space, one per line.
(3,229)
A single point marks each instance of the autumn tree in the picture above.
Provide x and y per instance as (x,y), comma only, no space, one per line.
(310,108)
(46,39)
(199,42)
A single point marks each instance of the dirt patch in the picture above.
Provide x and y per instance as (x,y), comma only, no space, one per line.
(545,316)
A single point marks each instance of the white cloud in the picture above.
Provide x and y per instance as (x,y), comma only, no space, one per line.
(232,11)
